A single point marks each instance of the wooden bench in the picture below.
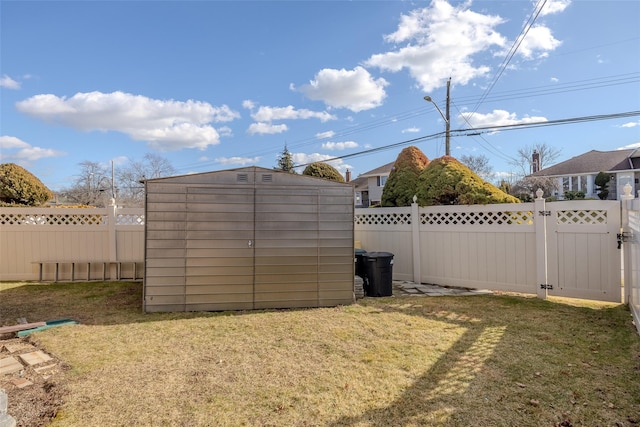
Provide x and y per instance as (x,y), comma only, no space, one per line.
(104,264)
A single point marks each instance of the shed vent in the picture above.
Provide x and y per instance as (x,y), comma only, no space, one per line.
(243,177)
(267,178)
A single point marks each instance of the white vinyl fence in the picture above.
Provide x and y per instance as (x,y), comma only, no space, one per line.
(71,243)
(631,238)
(564,248)
(567,248)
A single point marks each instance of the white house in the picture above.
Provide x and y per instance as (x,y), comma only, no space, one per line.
(368,186)
(578,173)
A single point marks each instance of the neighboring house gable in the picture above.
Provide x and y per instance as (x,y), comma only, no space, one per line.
(578,173)
(368,186)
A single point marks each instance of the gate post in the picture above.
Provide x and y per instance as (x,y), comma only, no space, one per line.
(415,241)
(113,244)
(541,245)
(627,267)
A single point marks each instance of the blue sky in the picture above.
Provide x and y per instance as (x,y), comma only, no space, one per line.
(214,85)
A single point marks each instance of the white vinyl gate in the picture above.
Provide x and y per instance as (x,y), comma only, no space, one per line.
(583,256)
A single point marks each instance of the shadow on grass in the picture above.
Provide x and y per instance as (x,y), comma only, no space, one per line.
(454,391)
(89,303)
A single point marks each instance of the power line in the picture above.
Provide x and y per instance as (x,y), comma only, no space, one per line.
(487,129)
(578,85)
(512,51)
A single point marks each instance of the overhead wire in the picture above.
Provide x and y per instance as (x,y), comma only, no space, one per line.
(474,131)
(512,51)
(578,85)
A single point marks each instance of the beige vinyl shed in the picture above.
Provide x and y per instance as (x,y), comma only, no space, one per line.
(249,238)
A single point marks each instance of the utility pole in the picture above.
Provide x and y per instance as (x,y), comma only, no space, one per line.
(445,117)
(447,144)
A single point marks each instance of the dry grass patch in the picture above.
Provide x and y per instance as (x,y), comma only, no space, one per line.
(450,361)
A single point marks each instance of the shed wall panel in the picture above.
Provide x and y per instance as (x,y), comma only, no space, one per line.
(249,238)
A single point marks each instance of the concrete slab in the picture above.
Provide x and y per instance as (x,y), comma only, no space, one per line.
(35,357)
(13,348)
(45,368)
(21,382)
(9,365)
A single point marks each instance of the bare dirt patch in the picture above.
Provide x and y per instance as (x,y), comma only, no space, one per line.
(36,391)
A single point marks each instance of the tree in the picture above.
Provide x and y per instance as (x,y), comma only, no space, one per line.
(285,161)
(92,187)
(602,183)
(525,189)
(323,170)
(402,183)
(130,190)
(18,186)
(446,181)
(524,159)
(479,165)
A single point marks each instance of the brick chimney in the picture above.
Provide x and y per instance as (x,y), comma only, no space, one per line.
(535,161)
(347,176)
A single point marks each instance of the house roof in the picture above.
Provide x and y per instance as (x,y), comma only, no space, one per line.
(382,170)
(592,162)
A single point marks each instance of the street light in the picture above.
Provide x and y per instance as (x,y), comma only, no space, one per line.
(447,149)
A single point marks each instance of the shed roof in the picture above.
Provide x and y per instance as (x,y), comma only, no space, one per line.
(594,161)
(251,173)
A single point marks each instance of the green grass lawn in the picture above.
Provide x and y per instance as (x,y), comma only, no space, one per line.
(492,360)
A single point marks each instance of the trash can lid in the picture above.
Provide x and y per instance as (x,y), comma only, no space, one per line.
(379,255)
(360,251)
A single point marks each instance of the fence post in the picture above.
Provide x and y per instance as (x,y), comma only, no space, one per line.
(627,267)
(540,222)
(113,244)
(415,241)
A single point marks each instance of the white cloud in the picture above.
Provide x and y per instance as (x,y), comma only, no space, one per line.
(498,118)
(15,149)
(339,145)
(9,83)
(411,130)
(248,104)
(225,131)
(537,43)
(327,134)
(553,6)
(163,124)
(630,146)
(266,128)
(269,114)
(554,80)
(303,159)
(237,160)
(630,124)
(438,42)
(442,41)
(355,90)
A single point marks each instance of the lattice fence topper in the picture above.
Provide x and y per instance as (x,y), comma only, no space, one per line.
(383,219)
(477,218)
(52,219)
(130,219)
(589,217)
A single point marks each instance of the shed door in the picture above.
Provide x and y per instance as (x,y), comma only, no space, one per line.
(219,248)
(286,253)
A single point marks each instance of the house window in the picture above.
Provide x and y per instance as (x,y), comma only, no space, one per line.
(382,180)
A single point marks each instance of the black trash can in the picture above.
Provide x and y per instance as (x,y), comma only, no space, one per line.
(379,274)
(361,265)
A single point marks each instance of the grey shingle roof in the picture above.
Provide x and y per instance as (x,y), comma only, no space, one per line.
(382,170)
(593,162)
